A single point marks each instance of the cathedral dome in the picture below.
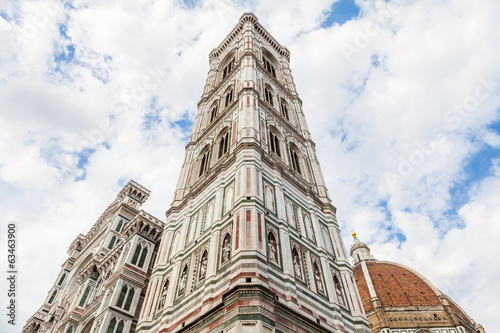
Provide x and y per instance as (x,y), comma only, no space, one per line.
(397,297)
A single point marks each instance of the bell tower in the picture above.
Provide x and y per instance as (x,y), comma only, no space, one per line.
(251,242)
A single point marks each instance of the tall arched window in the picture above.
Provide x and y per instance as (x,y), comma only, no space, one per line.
(112,242)
(144,253)
(61,279)
(284,109)
(268,95)
(269,66)
(121,298)
(274,141)
(214,111)
(136,254)
(228,68)
(119,329)
(204,161)
(85,295)
(111,326)
(119,226)
(294,156)
(229,97)
(130,297)
(223,144)
(51,299)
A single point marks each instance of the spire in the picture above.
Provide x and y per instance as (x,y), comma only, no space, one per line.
(359,250)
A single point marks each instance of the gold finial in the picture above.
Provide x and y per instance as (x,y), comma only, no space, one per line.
(353,233)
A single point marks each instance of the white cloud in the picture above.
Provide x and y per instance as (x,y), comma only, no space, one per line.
(413,75)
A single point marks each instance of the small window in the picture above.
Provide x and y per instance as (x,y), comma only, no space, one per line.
(270,68)
(61,279)
(121,298)
(223,144)
(111,326)
(52,297)
(214,112)
(274,143)
(204,162)
(229,98)
(84,297)
(268,95)
(112,242)
(295,160)
(119,226)
(228,68)
(284,110)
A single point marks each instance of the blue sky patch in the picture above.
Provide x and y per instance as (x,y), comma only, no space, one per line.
(189,4)
(83,160)
(341,12)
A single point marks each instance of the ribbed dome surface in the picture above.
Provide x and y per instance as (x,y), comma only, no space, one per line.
(394,286)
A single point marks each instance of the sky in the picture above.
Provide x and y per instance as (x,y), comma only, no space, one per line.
(401,97)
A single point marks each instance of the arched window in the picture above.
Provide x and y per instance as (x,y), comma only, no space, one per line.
(143,257)
(284,109)
(119,226)
(112,242)
(136,254)
(61,279)
(269,66)
(119,329)
(130,297)
(229,97)
(228,68)
(294,156)
(204,161)
(338,290)
(268,95)
(274,141)
(51,299)
(85,295)
(111,326)
(69,330)
(214,111)
(121,298)
(223,144)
